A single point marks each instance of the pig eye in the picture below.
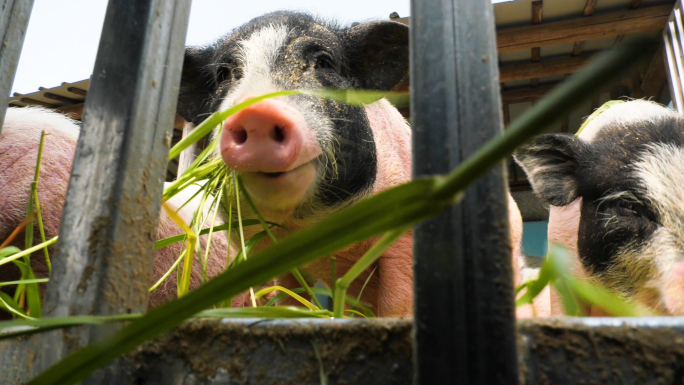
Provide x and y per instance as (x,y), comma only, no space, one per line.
(227,74)
(325,61)
(627,209)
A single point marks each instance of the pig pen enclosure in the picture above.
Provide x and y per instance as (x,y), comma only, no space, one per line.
(474,338)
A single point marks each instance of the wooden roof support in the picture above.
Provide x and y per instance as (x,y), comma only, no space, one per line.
(588,11)
(655,77)
(537,9)
(77,91)
(551,67)
(60,98)
(35,102)
(597,26)
(589,8)
(525,93)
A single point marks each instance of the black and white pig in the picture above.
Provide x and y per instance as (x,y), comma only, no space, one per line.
(618,201)
(301,157)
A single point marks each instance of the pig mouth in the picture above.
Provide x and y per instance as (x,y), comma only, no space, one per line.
(277,174)
(272,175)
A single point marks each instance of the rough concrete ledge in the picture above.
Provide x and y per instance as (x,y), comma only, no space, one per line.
(602,351)
(278,352)
(379,351)
(552,351)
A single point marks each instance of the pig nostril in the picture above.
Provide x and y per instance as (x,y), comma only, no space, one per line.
(239,136)
(279,135)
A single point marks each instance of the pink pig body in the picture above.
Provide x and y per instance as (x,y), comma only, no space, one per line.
(19,143)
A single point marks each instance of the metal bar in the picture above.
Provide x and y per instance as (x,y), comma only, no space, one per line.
(676,48)
(14,20)
(679,28)
(464,312)
(104,259)
(673,72)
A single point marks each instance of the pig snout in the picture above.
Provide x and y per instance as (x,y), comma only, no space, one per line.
(273,149)
(267,137)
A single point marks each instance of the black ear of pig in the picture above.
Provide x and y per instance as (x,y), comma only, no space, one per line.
(550,162)
(378,54)
(197,85)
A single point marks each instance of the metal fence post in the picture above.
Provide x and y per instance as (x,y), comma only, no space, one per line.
(14,18)
(464,308)
(104,258)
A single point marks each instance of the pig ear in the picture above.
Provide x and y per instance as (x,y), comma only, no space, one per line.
(550,162)
(197,85)
(378,54)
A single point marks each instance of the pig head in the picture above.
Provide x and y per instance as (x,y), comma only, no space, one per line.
(301,157)
(620,205)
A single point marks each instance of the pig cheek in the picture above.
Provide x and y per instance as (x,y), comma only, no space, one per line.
(282,193)
(673,289)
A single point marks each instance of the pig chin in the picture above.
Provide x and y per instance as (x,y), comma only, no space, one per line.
(280,191)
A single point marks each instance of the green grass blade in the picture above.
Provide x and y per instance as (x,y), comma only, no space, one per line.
(263,312)
(596,113)
(37,280)
(32,291)
(226,226)
(593,293)
(8,251)
(22,253)
(11,329)
(10,305)
(361,265)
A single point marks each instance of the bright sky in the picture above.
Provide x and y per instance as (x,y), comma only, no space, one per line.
(62,37)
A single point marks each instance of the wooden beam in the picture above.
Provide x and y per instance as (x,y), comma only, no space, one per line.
(525,94)
(595,102)
(60,98)
(537,9)
(635,85)
(597,26)
(77,91)
(577,48)
(551,67)
(588,11)
(655,76)
(506,114)
(565,124)
(620,91)
(36,102)
(589,8)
